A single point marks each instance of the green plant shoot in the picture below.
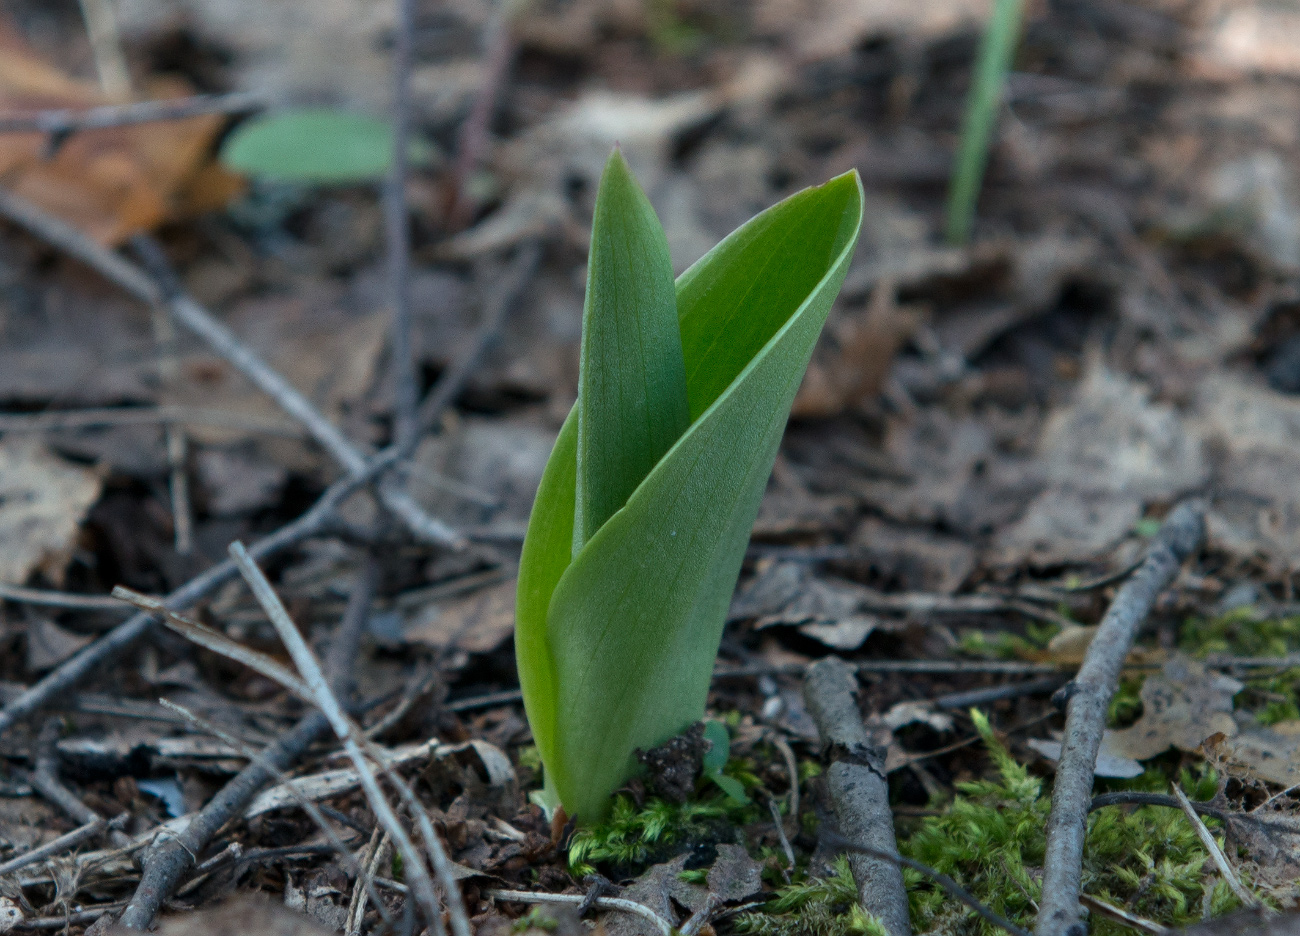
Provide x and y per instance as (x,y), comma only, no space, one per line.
(644,510)
(315,146)
(996,51)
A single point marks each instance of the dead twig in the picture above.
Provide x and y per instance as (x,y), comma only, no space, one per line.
(954,889)
(61,680)
(1131,798)
(61,123)
(62,922)
(964,700)
(46,781)
(163,288)
(106,47)
(1087,697)
(376,851)
(59,420)
(57,599)
(350,735)
(1220,860)
(397,232)
(779,822)
(223,341)
(473,138)
(1120,915)
(167,862)
(63,843)
(602,903)
(858,789)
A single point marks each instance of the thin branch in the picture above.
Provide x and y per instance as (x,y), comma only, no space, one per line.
(603,903)
(167,862)
(46,781)
(68,674)
(1132,798)
(1220,861)
(398,234)
(1088,695)
(413,866)
(474,136)
(948,884)
(858,789)
(317,815)
(62,922)
(57,420)
(376,851)
(58,599)
(63,122)
(1120,915)
(61,844)
(163,288)
(964,700)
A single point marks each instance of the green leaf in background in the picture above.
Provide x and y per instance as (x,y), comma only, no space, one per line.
(315,145)
(715,758)
(615,640)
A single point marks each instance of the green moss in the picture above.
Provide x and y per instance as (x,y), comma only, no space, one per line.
(1006,646)
(633,837)
(991,840)
(1272,697)
(816,907)
(1125,704)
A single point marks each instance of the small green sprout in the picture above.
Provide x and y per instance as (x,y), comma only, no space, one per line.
(644,510)
(982,106)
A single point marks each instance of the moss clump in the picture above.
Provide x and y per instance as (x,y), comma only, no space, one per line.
(1004,645)
(992,840)
(816,907)
(1271,697)
(633,837)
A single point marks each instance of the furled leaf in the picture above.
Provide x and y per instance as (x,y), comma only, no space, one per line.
(632,381)
(715,758)
(313,145)
(616,646)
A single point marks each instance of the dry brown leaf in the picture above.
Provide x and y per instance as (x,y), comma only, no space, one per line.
(109,183)
(1069,647)
(1271,753)
(1182,705)
(42,502)
(478,623)
(851,366)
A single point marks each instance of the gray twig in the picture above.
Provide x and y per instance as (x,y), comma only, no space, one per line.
(398,234)
(167,862)
(1088,695)
(63,122)
(859,790)
(46,781)
(57,599)
(603,903)
(163,288)
(72,671)
(347,732)
(61,844)
(57,420)
(472,141)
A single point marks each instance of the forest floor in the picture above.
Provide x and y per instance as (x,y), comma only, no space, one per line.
(988,438)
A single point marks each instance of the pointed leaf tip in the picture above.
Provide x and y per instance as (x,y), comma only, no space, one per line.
(631,381)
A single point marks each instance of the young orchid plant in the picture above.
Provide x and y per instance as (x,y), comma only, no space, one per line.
(644,510)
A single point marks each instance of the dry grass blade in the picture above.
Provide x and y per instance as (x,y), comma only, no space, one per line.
(1220,860)
(353,740)
(218,642)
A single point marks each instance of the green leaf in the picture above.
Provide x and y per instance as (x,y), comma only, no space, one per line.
(729,785)
(616,647)
(314,145)
(715,758)
(631,377)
